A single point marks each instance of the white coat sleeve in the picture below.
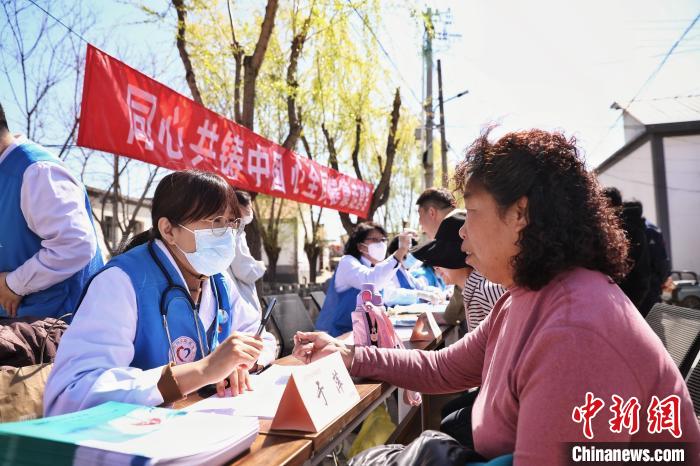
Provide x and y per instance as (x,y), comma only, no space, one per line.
(246,319)
(92,363)
(352,273)
(244,266)
(53,205)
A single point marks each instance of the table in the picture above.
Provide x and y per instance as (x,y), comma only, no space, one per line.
(295,448)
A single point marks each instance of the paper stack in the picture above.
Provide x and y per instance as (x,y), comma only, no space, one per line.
(120,433)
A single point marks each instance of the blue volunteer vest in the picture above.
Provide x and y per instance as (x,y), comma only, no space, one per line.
(151,344)
(430,276)
(18,243)
(403,280)
(335,316)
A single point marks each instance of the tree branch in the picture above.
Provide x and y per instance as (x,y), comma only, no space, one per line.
(238,53)
(381,193)
(252,64)
(182,49)
(356,148)
(295,125)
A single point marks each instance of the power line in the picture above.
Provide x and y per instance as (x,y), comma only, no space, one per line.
(646,183)
(649,79)
(381,46)
(59,21)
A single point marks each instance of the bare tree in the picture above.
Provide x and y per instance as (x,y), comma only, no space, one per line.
(36,62)
(383,189)
(117,213)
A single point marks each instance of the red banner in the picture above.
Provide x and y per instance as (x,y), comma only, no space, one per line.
(125,112)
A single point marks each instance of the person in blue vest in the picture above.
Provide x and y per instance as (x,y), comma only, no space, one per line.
(48,245)
(161,320)
(364,261)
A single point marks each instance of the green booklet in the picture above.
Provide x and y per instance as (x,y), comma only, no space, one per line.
(121,433)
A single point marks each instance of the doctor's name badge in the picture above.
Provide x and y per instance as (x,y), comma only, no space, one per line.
(184,349)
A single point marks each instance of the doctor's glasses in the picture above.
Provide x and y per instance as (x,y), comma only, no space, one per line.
(221,224)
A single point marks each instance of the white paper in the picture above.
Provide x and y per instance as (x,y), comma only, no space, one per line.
(180,439)
(404,321)
(418,308)
(261,402)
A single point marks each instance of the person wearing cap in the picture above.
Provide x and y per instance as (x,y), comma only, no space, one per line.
(435,205)
(480,295)
(446,255)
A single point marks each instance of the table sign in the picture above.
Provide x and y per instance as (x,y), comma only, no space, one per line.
(426,328)
(315,395)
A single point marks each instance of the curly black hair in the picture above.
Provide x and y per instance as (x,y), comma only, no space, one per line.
(570,223)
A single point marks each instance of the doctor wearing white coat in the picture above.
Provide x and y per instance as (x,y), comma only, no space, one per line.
(245,270)
(161,320)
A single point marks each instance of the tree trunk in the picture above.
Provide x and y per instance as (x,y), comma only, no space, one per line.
(182,49)
(252,64)
(273,254)
(312,250)
(381,192)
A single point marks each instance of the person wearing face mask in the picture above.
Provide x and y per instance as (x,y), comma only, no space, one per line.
(245,270)
(364,261)
(161,319)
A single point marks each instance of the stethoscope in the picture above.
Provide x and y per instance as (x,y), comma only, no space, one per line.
(175,288)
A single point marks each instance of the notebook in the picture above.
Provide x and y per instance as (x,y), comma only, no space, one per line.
(119,433)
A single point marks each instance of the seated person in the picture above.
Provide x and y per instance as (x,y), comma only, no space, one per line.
(364,261)
(48,245)
(480,296)
(245,269)
(161,320)
(425,275)
(564,338)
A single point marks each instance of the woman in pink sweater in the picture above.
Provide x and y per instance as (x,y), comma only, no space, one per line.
(563,350)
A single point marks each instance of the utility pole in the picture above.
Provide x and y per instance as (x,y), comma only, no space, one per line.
(428,103)
(443,141)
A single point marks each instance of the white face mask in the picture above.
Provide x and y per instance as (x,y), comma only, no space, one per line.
(377,251)
(245,220)
(213,254)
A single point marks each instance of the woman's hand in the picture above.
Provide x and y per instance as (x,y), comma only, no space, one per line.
(238,351)
(8,299)
(430,296)
(239,382)
(404,244)
(312,346)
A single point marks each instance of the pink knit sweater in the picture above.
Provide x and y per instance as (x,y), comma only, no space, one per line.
(535,357)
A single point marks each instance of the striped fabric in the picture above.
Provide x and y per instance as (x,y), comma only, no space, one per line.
(479,297)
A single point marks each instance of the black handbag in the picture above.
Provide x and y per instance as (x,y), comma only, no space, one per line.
(430,448)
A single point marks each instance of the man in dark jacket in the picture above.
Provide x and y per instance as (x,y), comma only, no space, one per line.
(658,261)
(636,283)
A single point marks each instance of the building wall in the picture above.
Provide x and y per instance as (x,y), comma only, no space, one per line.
(633,176)
(143,218)
(288,261)
(682,157)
